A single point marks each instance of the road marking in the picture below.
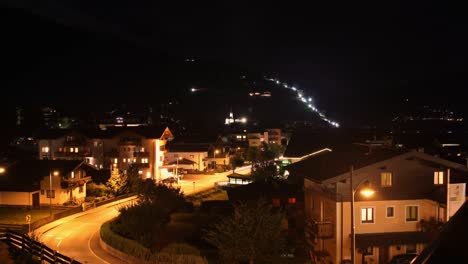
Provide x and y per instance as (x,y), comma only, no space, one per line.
(89,247)
(58,244)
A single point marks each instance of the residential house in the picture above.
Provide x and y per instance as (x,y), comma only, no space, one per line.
(143,147)
(34,183)
(410,190)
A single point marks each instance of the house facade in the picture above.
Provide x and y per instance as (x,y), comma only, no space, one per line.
(410,193)
(37,183)
(143,147)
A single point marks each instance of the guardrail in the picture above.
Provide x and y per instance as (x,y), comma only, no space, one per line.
(26,244)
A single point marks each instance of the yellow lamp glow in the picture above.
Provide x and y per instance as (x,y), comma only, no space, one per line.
(367,192)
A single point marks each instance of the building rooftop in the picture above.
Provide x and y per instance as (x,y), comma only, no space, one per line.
(25,175)
(329,164)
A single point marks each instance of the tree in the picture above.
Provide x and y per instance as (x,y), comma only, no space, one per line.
(117,182)
(146,220)
(236,161)
(158,194)
(251,234)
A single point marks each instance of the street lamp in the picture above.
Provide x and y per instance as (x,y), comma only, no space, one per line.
(366,192)
(55,173)
(177,169)
(2,170)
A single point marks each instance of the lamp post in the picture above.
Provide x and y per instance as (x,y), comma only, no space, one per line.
(366,192)
(214,157)
(50,190)
(177,169)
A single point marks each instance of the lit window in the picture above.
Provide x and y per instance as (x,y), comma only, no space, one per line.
(71,149)
(438,177)
(292,200)
(386,179)
(390,211)
(76,150)
(124,160)
(45,149)
(116,160)
(148,174)
(239,136)
(134,159)
(140,172)
(411,213)
(142,149)
(367,215)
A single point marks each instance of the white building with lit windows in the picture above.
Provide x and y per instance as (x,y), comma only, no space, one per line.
(409,202)
(143,147)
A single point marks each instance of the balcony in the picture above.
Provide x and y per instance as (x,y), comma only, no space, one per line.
(141,165)
(319,229)
(140,154)
(112,154)
(83,154)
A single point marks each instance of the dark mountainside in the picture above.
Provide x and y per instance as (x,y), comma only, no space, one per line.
(85,73)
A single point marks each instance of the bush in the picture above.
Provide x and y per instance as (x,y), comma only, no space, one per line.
(182,217)
(181,249)
(97,190)
(177,254)
(133,222)
(123,244)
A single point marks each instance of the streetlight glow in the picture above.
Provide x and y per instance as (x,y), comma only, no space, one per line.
(2,170)
(367,192)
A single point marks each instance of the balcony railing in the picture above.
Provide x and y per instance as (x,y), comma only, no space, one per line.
(82,154)
(140,154)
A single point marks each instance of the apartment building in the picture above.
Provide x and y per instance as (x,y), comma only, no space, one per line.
(409,200)
(143,147)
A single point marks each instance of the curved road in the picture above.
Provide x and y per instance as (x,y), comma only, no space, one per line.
(77,236)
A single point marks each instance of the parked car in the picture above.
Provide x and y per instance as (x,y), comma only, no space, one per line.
(403,258)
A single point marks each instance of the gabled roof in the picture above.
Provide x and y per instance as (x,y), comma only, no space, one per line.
(145,131)
(188,147)
(239,176)
(25,175)
(182,162)
(329,164)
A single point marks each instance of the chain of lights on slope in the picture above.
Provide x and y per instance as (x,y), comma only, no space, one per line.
(306,100)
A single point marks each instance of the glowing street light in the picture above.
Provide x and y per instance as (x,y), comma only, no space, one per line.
(367,192)
(2,170)
(55,173)
(177,169)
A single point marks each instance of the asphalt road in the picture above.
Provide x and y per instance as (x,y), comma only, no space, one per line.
(77,236)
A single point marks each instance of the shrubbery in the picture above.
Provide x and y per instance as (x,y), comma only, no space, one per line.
(173,253)
(96,190)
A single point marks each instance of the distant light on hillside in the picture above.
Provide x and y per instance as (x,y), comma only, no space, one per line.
(306,100)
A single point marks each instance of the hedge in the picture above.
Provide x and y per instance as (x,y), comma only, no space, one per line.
(173,253)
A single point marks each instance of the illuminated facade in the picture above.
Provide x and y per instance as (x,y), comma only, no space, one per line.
(142,147)
(410,198)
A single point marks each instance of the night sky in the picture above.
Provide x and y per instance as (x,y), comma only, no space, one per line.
(355,59)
